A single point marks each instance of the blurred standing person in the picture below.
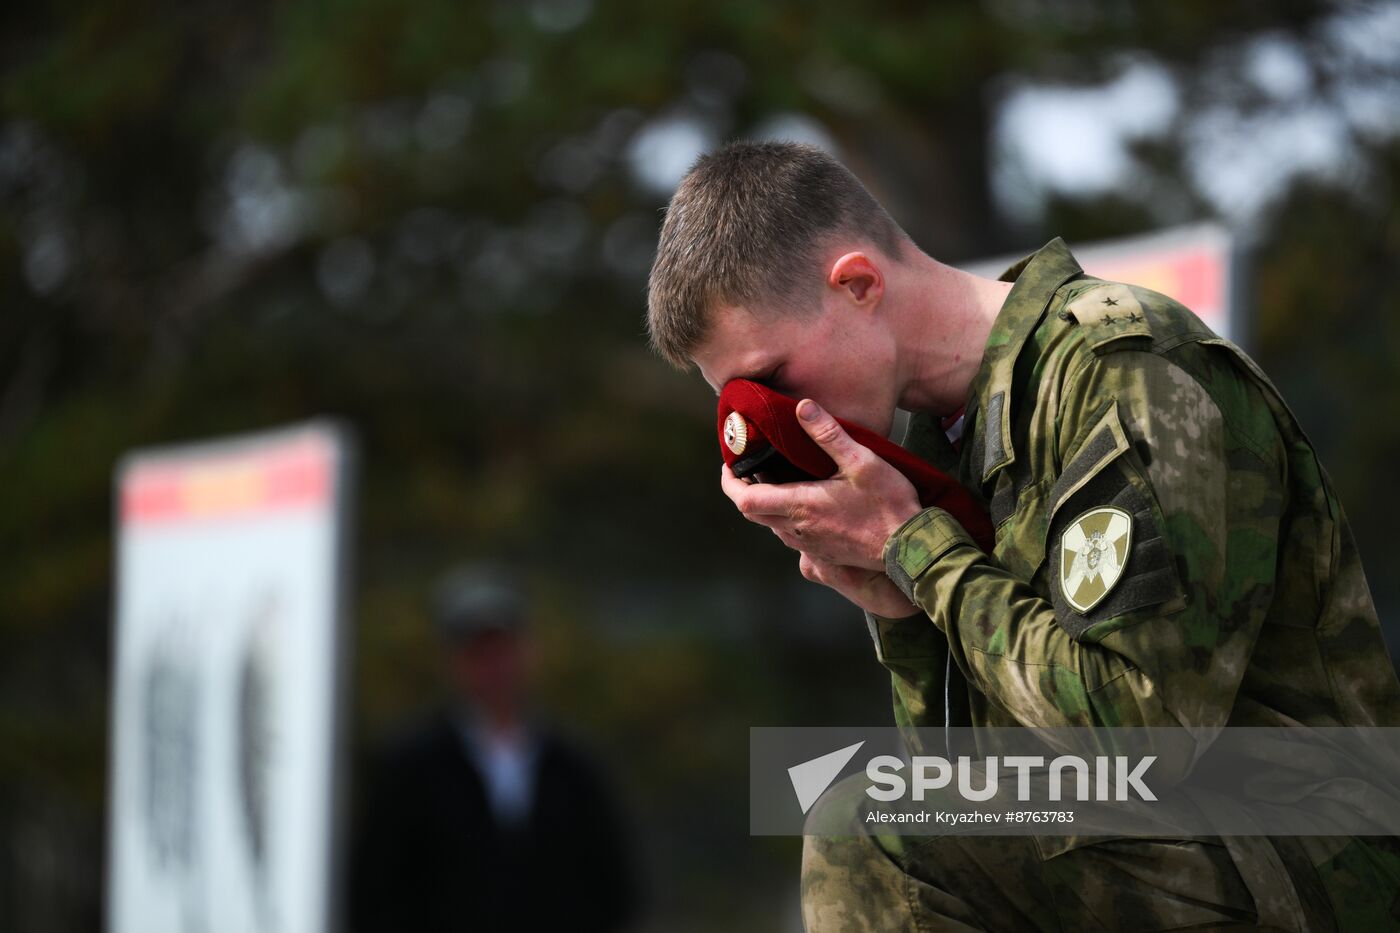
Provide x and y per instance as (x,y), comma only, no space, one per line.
(481,817)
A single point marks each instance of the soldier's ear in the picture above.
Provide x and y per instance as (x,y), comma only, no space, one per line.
(858,279)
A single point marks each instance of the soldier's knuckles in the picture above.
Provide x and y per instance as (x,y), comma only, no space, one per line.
(754,506)
(828,431)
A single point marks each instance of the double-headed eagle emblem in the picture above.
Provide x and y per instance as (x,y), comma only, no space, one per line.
(1093,554)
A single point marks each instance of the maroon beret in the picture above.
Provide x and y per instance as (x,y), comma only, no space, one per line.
(760,437)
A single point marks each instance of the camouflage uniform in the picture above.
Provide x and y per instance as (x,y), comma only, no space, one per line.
(1241,601)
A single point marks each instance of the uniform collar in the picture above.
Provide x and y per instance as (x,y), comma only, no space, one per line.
(1036,278)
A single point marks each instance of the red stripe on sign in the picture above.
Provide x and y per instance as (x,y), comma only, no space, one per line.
(1202,281)
(1193,276)
(296,475)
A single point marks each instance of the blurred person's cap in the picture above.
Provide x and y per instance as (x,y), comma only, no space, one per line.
(478,598)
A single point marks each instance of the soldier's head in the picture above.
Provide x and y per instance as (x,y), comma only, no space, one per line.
(480,612)
(772,265)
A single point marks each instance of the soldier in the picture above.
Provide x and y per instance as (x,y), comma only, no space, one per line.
(1169,550)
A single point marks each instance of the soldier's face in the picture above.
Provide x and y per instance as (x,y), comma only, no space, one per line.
(841,357)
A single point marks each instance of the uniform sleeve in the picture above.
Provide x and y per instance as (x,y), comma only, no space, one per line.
(1184,510)
(916,655)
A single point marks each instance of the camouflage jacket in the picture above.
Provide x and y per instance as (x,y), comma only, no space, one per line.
(1169,550)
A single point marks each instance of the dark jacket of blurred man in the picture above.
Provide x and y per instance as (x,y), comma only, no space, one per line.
(480,817)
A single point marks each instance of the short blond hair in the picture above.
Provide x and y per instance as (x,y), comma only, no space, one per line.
(744,228)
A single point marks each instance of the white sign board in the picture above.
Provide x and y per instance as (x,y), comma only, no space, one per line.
(1195,265)
(228,666)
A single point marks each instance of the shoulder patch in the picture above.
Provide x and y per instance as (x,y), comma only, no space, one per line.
(1109,312)
(1104,546)
(1139,573)
(1094,553)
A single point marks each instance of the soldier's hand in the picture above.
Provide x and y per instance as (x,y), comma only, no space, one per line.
(871,590)
(841,521)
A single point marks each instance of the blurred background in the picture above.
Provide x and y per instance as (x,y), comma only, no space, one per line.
(434,220)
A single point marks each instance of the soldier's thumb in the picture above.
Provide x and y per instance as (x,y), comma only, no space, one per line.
(828,433)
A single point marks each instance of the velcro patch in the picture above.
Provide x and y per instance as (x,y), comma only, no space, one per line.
(1132,565)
